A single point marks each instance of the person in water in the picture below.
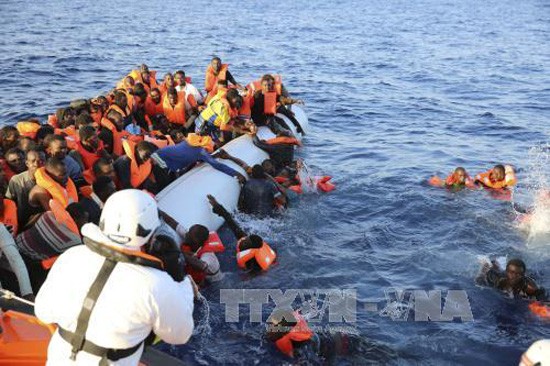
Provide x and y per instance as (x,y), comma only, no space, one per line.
(513,281)
(260,195)
(456,180)
(253,253)
(500,177)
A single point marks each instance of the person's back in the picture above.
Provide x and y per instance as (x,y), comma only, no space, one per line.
(258,194)
(125,311)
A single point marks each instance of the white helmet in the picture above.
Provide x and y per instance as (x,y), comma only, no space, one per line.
(537,354)
(129,218)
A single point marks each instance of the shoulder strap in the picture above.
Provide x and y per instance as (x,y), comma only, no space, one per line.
(79,338)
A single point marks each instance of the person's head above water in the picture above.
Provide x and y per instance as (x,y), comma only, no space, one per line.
(196,236)
(460,175)
(258,172)
(498,173)
(279,323)
(515,271)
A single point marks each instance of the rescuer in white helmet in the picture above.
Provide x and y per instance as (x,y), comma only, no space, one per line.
(537,355)
(108,295)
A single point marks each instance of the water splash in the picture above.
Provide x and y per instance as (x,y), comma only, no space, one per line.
(202,327)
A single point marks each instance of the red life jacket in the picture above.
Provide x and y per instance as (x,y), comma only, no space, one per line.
(212,245)
(324,184)
(264,256)
(283,140)
(138,173)
(299,333)
(152,109)
(89,158)
(176,114)
(65,195)
(9,216)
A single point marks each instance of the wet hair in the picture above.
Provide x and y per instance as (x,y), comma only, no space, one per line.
(198,234)
(77,211)
(256,241)
(518,263)
(101,162)
(499,167)
(101,184)
(44,131)
(83,119)
(258,172)
(140,91)
(85,132)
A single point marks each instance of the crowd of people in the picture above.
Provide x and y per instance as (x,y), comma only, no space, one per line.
(89,176)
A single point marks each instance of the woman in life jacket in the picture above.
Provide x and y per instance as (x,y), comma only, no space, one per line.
(457,180)
(253,253)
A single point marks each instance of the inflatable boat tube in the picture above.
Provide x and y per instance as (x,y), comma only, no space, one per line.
(185,198)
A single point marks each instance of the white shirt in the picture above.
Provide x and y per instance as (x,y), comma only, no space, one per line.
(135,300)
(190,89)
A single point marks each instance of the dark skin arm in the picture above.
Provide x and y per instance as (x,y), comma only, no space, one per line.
(39,197)
(219,210)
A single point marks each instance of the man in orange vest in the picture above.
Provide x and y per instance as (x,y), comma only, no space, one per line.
(134,170)
(56,146)
(217,71)
(253,253)
(89,148)
(52,181)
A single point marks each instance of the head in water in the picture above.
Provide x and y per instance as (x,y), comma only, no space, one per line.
(196,236)
(515,271)
(460,175)
(497,173)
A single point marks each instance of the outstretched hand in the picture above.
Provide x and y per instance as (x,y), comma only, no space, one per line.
(222,154)
(216,207)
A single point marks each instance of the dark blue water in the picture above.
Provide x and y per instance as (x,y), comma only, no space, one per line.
(395,91)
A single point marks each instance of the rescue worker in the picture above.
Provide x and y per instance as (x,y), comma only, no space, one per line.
(253,253)
(260,195)
(52,182)
(513,281)
(107,296)
(500,177)
(538,354)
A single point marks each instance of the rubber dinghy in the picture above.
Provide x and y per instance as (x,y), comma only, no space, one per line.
(185,198)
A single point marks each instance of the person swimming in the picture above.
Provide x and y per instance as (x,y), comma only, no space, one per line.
(513,281)
(500,177)
(456,180)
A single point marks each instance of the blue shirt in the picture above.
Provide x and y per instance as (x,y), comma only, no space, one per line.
(182,155)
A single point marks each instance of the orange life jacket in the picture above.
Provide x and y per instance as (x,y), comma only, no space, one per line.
(96,116)
(63,217)
(152,109)
(264,256)
(89,158)
(52,120)
(283,140)
(299,333)
(138,173)
(65,196)
(270,103)
(9,216)
(212,245)
(118,136)
(246,109)
(136,75)
(324,184)
(89,176)
(202,141)
(28,128)
(175,114)
(86,191)
(257,85)
(67,131)
(485,178)
(211,79)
